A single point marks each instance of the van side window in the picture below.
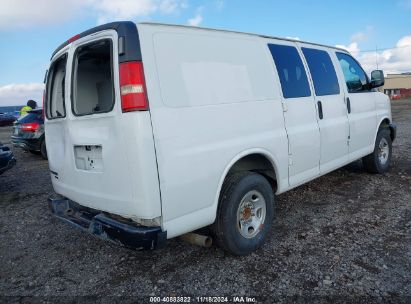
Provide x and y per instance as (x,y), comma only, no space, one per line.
(354,75)
(55,89)
(322,71)
(290,68)
(92,84)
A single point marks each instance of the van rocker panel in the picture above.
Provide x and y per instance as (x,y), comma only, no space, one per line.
(106,228)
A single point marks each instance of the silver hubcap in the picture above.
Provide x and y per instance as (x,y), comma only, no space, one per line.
(251,214)
(383,151)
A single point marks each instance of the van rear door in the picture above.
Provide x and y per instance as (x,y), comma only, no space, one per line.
(100,156)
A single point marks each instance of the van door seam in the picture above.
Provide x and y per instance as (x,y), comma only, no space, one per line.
(158,168)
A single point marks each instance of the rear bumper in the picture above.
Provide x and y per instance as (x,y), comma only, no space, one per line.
(127,234)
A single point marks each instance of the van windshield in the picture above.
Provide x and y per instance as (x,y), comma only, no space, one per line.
(93,90)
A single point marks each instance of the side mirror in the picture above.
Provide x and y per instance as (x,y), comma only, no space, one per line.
(377,79)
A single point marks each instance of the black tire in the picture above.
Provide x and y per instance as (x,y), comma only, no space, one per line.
(226,228)
(43,149)
(380,159)
(34,152)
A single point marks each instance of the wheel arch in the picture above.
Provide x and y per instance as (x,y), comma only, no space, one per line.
(244,161)
(385,122)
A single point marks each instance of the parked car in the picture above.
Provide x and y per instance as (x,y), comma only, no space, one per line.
(7,159)
(154,131)
(16,114)
(6,119)
(28,133)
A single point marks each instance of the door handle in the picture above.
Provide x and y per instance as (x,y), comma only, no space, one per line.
(348,105)
(320,109)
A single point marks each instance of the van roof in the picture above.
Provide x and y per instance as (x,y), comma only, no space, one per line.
(243,33)
(130,52)
(128,28)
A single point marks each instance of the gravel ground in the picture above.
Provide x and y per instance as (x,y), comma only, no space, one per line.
(343,237)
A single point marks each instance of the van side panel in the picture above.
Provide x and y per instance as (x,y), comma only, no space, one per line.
(212,96)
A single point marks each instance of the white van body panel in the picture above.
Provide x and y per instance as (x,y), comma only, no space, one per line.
(128,177)
(382,108)
(199,128)
(362,120)
(363,123)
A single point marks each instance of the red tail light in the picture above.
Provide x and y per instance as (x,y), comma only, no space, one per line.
(132,87)
(30,127)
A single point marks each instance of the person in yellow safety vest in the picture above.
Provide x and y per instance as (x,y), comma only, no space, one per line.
(31,104)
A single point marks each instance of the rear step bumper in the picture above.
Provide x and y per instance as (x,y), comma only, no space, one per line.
(127,234)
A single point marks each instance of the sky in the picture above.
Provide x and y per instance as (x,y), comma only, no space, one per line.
(375,32)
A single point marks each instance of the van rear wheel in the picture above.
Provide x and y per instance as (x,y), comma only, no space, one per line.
(379,160)
(245,213)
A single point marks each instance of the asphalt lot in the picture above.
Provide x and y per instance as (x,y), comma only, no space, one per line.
(343,237)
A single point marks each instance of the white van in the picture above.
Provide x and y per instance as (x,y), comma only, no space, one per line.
(154,130)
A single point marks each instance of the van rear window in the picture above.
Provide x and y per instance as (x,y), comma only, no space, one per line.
(55,89)
(92,85)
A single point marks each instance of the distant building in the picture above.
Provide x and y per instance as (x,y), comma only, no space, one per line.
(397,85)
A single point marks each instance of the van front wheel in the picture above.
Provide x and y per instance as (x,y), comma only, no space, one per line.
(379,160)
(245,213)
